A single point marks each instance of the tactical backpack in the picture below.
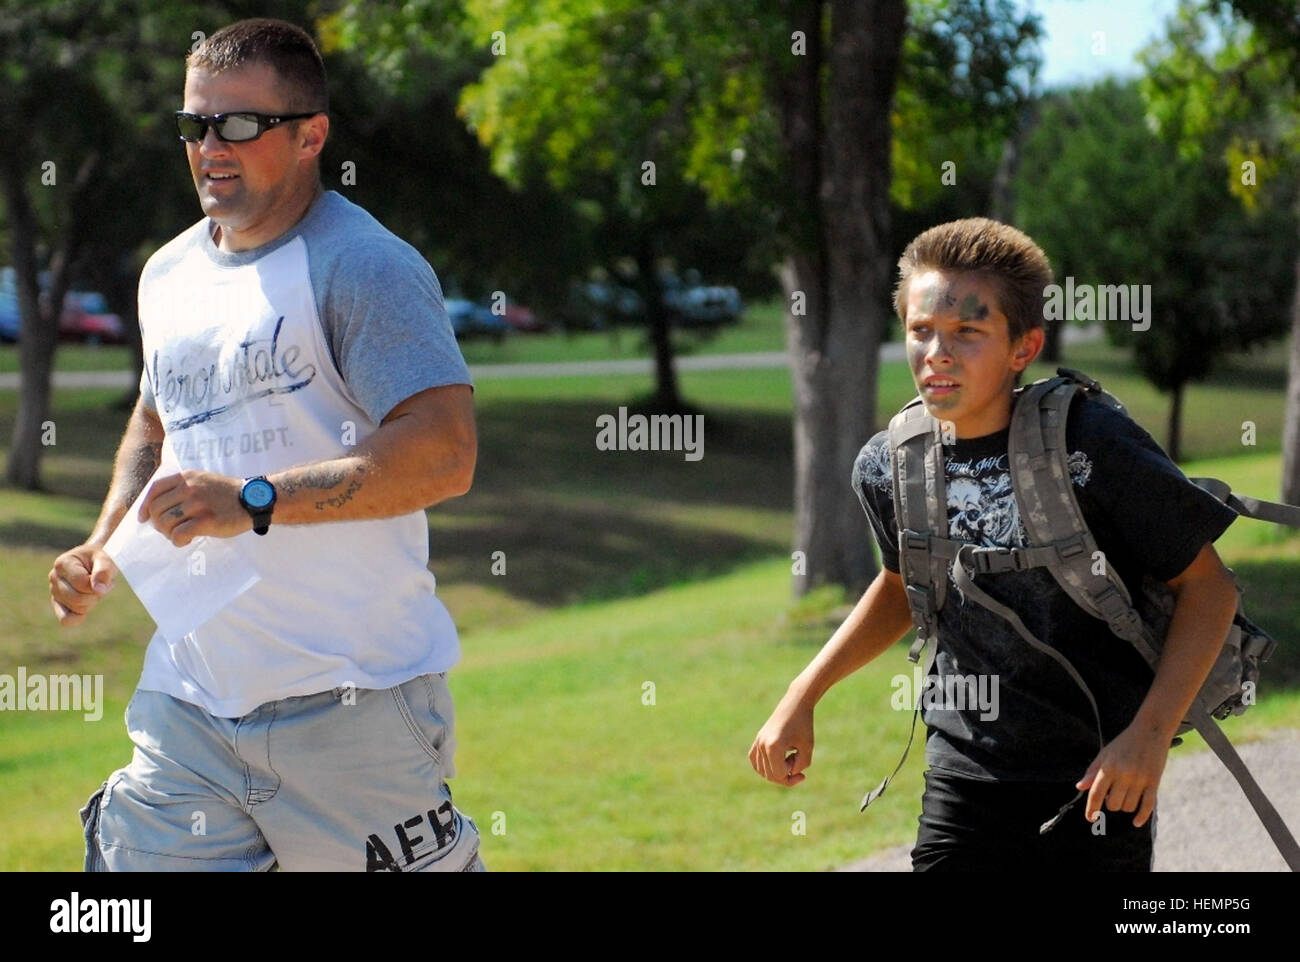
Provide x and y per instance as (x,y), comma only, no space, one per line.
(1060,541)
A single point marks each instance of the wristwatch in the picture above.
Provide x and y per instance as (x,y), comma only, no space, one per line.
(258,498)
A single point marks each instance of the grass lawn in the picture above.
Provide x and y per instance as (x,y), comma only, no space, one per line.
(759,329)
(621,570)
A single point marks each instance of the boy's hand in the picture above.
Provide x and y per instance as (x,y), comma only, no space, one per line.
(1126,773)
(784,745)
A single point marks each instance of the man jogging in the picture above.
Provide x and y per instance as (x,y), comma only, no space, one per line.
(970,296)
(305,400)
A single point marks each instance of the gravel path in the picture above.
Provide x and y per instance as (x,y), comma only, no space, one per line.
(1204,823)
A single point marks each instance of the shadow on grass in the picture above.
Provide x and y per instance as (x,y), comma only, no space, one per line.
(551,446)
(558,555)
(29,534)
(577,523)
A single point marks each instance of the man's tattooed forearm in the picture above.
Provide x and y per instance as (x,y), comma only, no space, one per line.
(321,479)
(144,462)
(325,478)
(340,499)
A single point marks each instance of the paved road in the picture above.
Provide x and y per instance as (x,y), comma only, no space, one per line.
(482,372)
(1204,823)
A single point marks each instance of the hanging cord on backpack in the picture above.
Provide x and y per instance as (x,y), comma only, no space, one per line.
(962,578)
(1200,718)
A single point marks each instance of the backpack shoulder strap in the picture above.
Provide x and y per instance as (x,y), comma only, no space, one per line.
(1040,478)
(921,509)
(1248,507)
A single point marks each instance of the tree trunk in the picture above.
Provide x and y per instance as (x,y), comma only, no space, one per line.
(1002,197)
(1054,332)
(1174,448)
(838,273)
(36,342)
(666,396)
(40,316)
(1291,424)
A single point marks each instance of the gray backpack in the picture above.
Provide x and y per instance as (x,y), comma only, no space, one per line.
(1061,542)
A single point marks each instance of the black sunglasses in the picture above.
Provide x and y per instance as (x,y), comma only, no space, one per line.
(234,128)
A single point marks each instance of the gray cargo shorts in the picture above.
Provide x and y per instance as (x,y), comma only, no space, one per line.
(351,779)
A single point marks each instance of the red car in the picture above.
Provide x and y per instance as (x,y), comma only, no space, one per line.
(523,319)
(85,319)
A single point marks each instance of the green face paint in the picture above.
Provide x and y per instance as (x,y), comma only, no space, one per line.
(972,309)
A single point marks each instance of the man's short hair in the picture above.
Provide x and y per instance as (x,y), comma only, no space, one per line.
(1008,258)
(287,49)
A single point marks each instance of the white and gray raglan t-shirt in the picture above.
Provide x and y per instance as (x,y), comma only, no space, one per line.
(265,359)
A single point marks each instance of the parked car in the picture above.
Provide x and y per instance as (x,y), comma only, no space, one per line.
(523,319)
(688,302)
(86,319)
(470,320)
(9,317)
(604,304)
(693,304)
(85,316)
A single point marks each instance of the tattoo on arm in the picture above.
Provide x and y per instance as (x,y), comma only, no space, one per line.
(326,478)
(342,498)
(322,478)
(143,463)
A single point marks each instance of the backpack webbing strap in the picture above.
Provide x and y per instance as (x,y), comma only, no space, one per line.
(968,588)
(1040,473)
(1244,504)
(1268,815)
(921,509)
(879,790)
(1201,720)
(1041,482)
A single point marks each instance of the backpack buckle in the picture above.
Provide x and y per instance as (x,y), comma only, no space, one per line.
(1078,377)
(916,540)
(921,602)
(1067,549)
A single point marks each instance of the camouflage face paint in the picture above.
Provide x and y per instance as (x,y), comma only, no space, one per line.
(973,309)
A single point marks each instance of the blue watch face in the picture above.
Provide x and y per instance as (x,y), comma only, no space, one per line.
(258,494)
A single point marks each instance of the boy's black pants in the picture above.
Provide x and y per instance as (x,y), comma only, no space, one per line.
(969,825)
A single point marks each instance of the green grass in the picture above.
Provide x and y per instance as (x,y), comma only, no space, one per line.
(759,329)
(74,357)
(622,569)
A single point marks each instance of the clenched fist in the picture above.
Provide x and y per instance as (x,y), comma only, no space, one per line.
(79,578)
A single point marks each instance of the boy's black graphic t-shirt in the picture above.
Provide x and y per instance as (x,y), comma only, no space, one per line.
(1146,517)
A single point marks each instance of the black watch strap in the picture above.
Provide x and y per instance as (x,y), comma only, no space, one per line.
(261,514)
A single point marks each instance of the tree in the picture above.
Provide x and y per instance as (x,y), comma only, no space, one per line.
(398,148)
(600,99)
(1247,96)
(965,75)
(84,116)
(783,111)
(1114,204)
